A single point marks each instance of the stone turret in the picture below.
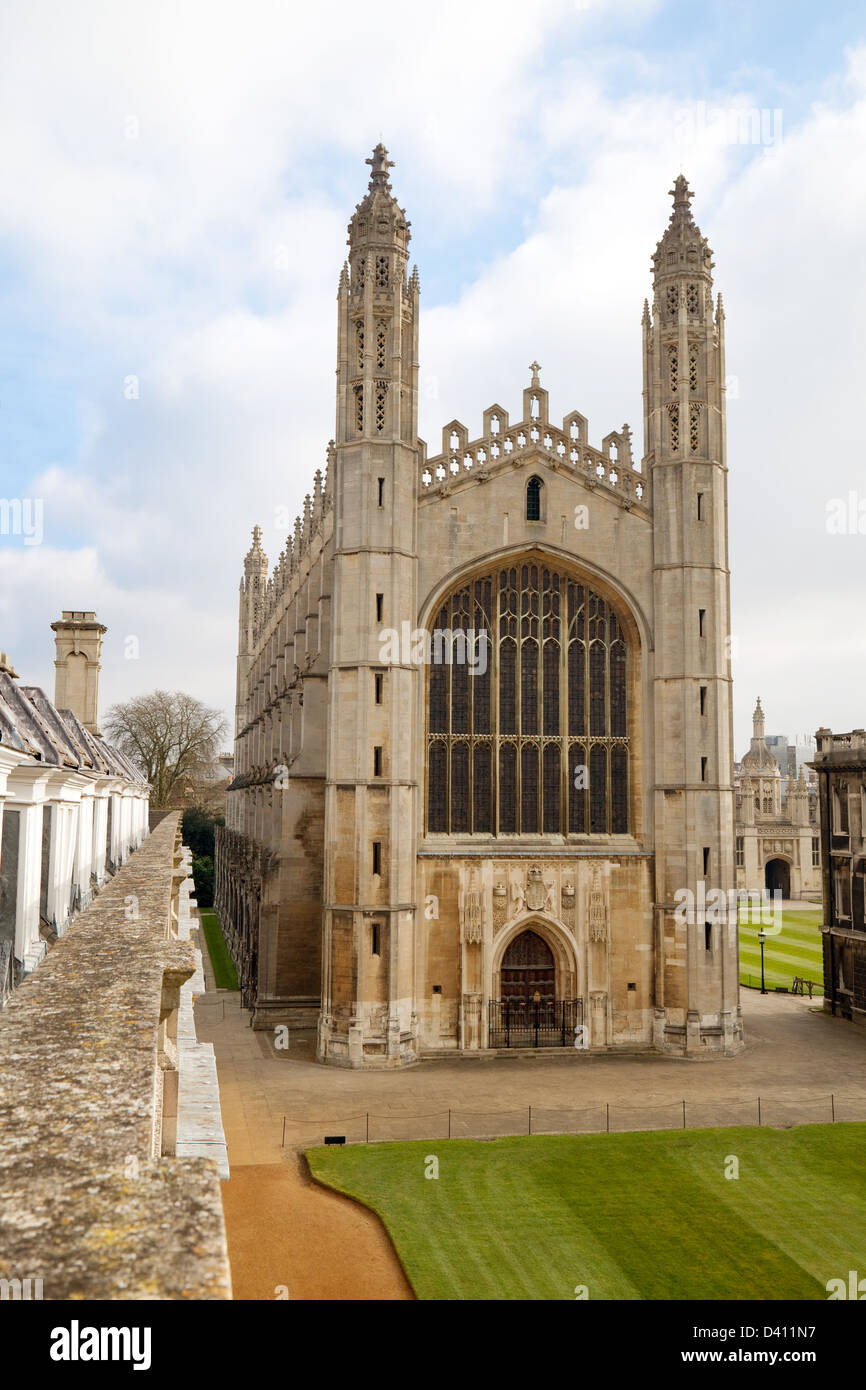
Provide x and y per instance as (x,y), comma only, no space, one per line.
(377,392)
(368,1015)
(251,601)
(684,452)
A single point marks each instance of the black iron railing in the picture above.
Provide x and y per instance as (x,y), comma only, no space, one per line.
(545,1023)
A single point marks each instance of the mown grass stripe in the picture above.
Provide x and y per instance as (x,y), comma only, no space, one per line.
(644,1215)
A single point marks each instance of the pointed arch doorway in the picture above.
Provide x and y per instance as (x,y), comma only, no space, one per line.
(528,1012)
(777,877)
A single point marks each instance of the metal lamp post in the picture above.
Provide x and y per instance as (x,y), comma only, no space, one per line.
(762,936)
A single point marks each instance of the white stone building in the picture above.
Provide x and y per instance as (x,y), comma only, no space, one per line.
(72,808)
(778,844)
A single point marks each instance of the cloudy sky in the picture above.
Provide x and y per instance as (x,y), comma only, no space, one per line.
(176,181)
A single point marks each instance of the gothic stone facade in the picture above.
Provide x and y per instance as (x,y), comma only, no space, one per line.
(778,849)
(431,840)
(840,762)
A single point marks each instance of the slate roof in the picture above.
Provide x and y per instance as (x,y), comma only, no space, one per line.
(30,723)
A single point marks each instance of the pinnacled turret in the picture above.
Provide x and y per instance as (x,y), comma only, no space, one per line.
(798,800)
(758,723)
(378,319)
(682,263)
(253,588)
(373,470)
(684,454)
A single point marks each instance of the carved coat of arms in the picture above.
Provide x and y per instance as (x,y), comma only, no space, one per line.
(536,892)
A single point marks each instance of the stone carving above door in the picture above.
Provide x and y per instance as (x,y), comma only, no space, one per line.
(472,917)
(536,893)
(500,905)
(597,909)
(568,905)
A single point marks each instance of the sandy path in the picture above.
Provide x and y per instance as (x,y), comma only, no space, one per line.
(285,1230)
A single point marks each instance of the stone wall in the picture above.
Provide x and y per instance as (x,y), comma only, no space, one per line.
(92,1199)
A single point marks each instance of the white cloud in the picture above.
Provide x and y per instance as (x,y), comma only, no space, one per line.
(203,255)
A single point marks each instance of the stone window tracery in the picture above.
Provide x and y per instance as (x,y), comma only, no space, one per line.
(673,364)
(380,345)
(674,426)
(359,409)
(692,299)
(359,338)
(536,740)
(381,393)
(694,429)
(672,301)
(693,369)
(381,272)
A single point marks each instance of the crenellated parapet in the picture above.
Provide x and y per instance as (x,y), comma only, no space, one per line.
(305,540)
(502,446)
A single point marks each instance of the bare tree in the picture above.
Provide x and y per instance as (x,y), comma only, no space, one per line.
(170,736)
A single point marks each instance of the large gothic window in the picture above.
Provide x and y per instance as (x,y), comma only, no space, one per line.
(527,709)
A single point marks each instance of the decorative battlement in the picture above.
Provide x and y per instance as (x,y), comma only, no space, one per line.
(285,577)
(502,445)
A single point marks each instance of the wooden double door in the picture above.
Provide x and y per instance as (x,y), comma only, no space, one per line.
(528,970)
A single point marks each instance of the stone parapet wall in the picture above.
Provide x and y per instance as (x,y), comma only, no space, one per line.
(92,1199)
(199,1117)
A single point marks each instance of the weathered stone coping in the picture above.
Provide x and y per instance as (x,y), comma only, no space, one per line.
(84,1204)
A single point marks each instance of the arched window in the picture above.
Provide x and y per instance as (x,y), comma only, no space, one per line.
(527,709)
(533,499)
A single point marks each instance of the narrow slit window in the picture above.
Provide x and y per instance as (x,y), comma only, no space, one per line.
(377,856)
(381,492)
(703,699)
(706,860)
(375,939)
(703,769)
(533,499)
(377,686)
(380,600)
(708,936)
(702,613)
(700,506)
(377,761)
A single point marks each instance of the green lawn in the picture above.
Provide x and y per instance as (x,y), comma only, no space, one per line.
(795,951)
(223,965)
(628,1216)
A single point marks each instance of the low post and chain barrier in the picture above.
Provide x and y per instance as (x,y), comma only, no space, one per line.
(605,1117)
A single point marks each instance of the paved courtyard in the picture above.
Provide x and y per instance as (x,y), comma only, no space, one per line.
(287,1234)
(795,1058)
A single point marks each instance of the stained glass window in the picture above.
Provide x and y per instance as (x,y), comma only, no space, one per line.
(523,660)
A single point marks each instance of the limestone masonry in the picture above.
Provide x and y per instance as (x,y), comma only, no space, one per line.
(484,732)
